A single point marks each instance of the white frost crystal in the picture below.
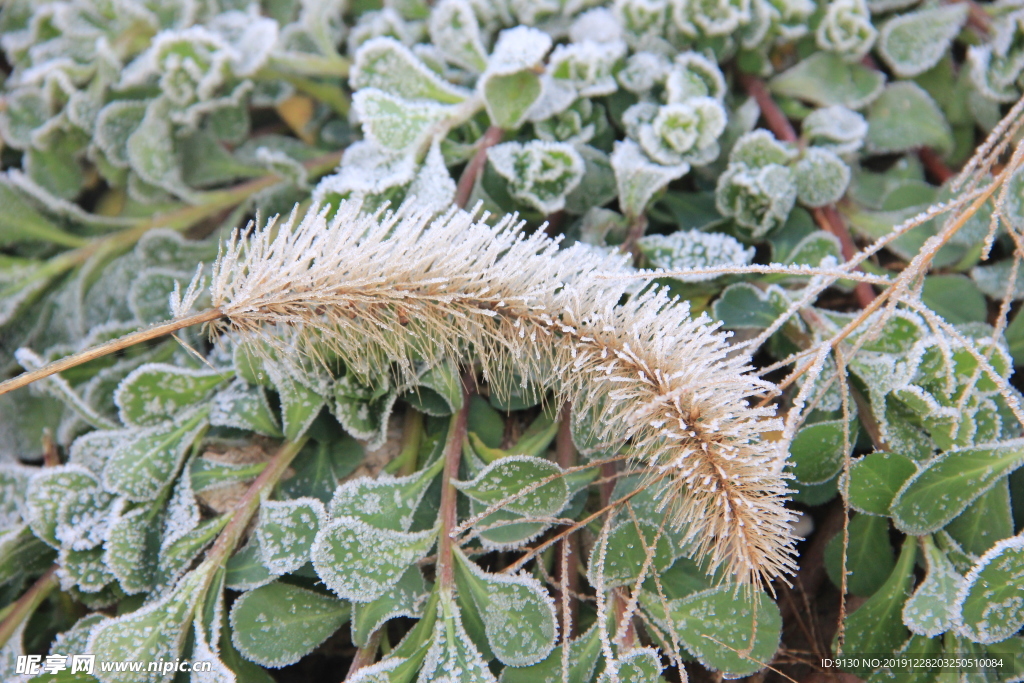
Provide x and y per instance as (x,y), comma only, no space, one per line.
(686,249)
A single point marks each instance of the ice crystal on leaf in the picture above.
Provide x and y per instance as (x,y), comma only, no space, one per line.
(686,249)
(846,29)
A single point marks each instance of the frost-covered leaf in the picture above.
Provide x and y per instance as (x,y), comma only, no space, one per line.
(395,124)
(624,555)
(84,570)
(707,623)
(914,42)
(300,404)
(835,128)
(278,624)
(876,478)
(985,521)
(147,461)
(22,554)
(114,125)
(385,502)
(154,632)
(320,466)
(869,557)
(587,66)
(386,64)
(518,614)
(638,178)
(452,655)
(640,665)
(150,151)
(583,655)
(176,557)
(687,249)
(244,406)
(245,570)
(929,611)
(680,132)
(286,531)
(990,606)
(539,173)
(759,199)
(743,305)
(363,410)
(506,477)
(14,479)
(454,30)
(157,392)
(846,29)
(817,451)
(825,79)
(944,487)
(48,489)
(510,85)
(821,177)
(131,547)
(905,117)
(340,557)
(877,625)
(405,599)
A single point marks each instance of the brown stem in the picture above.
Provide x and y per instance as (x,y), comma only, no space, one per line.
(366,655)
(448,512)
(108,348)
(829,220)
(773,116)
(465,188)
(934,164)
(249,503)
(565,573)
(27,604)
(637,228)
(51,456)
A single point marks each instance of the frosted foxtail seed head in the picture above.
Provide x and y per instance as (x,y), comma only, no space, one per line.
(385,290)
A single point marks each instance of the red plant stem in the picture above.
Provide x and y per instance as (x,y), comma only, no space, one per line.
(565,453)
(365,656)
(465,188)
(934,164)
(773,116)
(448,512)
(827,218)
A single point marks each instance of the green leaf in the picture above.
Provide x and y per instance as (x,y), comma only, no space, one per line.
(279,624)
(518,613)
(245,570)
(320,466)
(914,42)
(451,648)
(130,551)
(716,625)
(944,487)
(48,491)
(817,450)
(877,626)
(624,555)
(386,64)
(905,117)
(341,559)
(300,404)
(929,611)
(22,554)
(990,605)
(539,174)
(583,654)
(826,79)
(385,502)
(638,178)
(157,392)
(404,599)
(286,531)
(640,665)
(244,406)
(363,410)
(821,177)
(21,221)
(509,97)
(507,477)
(148,459)
(151,150)
(155,632)
(875,479)
(743,306)
(955,297)
(985,521)
(396,124)
(869,557)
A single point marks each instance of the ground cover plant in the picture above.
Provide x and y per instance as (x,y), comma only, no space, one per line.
(525,340)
